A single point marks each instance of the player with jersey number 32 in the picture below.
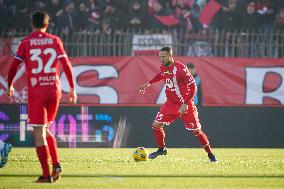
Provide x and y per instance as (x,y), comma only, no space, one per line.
(41,52)
(180,90)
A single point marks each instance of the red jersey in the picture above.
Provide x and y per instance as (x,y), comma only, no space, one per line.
(180,84)
(41,53)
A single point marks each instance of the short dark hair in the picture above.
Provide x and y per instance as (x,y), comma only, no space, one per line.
(40,19)
(167,49)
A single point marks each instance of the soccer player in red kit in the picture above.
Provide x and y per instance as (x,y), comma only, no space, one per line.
(180,90)
(41,52)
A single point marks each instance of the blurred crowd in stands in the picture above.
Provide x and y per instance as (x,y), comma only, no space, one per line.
(108,15)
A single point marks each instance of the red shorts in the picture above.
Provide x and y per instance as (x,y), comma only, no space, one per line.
(42,111)
(169,112)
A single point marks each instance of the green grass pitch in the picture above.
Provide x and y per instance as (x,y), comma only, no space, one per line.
(103,168)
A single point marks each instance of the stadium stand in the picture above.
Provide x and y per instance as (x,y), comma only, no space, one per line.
(224,28)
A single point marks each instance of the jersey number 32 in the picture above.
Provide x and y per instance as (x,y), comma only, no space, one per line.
(40,65)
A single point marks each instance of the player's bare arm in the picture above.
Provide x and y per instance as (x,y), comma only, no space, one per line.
(142,88)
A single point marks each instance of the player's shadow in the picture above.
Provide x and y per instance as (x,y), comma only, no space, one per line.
(150,176)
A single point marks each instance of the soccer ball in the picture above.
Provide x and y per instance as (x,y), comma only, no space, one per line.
(140,154)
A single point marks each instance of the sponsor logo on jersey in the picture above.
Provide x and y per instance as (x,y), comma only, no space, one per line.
(33,81)
(168,72)
(169,83)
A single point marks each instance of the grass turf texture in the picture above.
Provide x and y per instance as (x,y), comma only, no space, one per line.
(181,168)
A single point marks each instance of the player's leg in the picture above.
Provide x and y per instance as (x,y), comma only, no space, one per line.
(204,142)
(57,170)
(42,153)
(5,149)
(192,123)
(165,116)
(159,135)
(38,120)
(52,108)
(52,145)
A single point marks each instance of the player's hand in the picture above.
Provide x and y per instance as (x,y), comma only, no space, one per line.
(142,88)
(183,109)
(10,91)
(72,96)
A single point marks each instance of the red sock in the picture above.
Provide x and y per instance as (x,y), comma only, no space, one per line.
(52,145)
(42,154)
(159,135)
(202,138)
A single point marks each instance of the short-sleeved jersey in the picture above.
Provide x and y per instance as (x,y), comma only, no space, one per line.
(40,51)
(180,84)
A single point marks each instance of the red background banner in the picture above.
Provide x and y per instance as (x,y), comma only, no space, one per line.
(114,80)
